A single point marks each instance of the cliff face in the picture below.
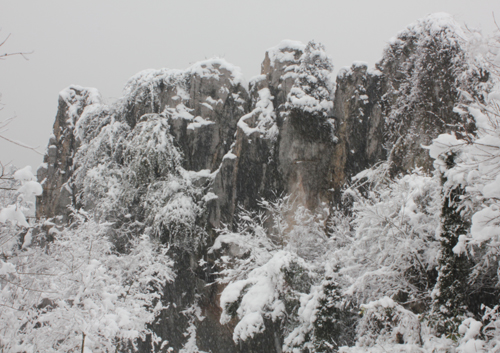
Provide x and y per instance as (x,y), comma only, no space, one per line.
(360,121)
(426,72)
(58,162)
(225,145)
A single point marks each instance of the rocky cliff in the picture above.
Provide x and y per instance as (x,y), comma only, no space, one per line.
(201,143)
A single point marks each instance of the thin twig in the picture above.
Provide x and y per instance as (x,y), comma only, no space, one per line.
(23,54)
(22,145)
(494,20)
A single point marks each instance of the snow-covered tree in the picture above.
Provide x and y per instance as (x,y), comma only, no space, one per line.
(312,90)
(387,247)
(68,290)
(134,178)
(335,318)
(268,266)
(433,66)
(394,250)
(310,100)
(22,201)
(451,293)
(326,318)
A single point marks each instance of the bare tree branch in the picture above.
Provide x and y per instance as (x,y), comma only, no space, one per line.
(22,145)
(4,55)
(495,20)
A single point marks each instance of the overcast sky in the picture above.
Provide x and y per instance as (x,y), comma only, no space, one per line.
(101,43)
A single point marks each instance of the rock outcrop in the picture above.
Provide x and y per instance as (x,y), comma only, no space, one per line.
(58,162)
(239,144)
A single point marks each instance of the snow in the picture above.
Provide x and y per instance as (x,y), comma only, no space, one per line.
(78,99)
(31,188)
(199,122)
(230,294)
(494,95)
(181,112)
(242,124)
(6,268)
(208,106)
(180,208)
(24,205)
(14,214)
(211,69)
(182,93)
(209,197)
(470,328)
(374,71)
(263,115)
(391,226)
(461,246)
(92,95)
(343,71)
(229,155)
(256,79)
(313,88)
(383,320)
(259,293)
(27,239)
(248,326)
(108,296)
(360,64)
(492,190)
(443,143)
(433,24)
(151,78)
(285,51)
(384,302)
(472,346)
(24,174)
(192,175)
(299,98)
(42,166)
(481,120)
(213,102)
(485,224)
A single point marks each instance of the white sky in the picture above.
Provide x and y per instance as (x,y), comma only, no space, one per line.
(101,43)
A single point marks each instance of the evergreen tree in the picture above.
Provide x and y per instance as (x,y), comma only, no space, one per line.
(335,319)
(450,297)
(312,91)
(310,99)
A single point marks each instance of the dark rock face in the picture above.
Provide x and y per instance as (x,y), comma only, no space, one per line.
(57,167)
(360,122)
(252,144)
(357,104)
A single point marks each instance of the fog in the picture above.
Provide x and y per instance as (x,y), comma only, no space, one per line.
(102,43)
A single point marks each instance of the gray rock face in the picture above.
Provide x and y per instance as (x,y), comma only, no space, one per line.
(251,170)
(255,143)
(277,149)
(57,168)
(360,122)
(203,105)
